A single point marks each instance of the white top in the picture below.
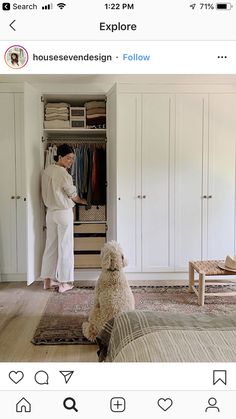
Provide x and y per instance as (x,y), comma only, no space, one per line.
(57,188)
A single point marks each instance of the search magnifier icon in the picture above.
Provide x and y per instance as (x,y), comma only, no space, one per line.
(69,404)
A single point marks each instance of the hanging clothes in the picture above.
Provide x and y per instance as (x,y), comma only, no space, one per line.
(99,177)
(49,156)
(88,171)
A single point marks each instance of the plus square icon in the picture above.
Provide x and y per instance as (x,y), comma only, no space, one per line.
(117,404)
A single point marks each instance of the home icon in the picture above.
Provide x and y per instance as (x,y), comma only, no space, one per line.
(23,406)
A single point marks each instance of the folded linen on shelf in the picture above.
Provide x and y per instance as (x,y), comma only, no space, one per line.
(57,111)
(95,104)
(57,105)
(96,110)
(96,115)
(53,117)
(56,123)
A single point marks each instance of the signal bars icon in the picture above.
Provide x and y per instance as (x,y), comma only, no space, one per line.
(61,5)
(47,7)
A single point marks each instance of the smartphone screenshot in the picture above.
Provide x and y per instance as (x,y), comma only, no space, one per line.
(118,209)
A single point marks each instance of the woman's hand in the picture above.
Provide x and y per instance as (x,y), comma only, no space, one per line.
(83,201)
(79,200)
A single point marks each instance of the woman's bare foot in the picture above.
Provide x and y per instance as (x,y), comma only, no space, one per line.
(49,283)
(63,287)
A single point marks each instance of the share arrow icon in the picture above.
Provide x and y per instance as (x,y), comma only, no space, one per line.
(67,375)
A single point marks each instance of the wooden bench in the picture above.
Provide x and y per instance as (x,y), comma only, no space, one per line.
(208,268)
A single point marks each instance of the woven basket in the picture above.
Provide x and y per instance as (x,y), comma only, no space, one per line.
(95,213)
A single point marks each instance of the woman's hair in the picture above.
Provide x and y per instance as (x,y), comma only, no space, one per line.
(14,58)
(63,150)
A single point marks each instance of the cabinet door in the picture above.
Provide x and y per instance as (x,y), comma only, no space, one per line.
(34,164)
(8,250)
(157,153)
(128,178)
(220,239)
(190,174)
(20,184)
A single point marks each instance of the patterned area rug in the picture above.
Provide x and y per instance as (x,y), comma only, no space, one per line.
(64,313)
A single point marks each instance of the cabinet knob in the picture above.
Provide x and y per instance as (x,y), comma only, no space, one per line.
(12,197)
(204,196)
(209,196)
(144,196)
(119,199)
(139,196)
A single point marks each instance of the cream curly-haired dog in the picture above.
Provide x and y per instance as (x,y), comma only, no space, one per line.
(112,291)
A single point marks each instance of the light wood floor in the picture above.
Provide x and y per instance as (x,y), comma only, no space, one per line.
(20,310)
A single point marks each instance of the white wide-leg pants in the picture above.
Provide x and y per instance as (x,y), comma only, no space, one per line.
(58,257)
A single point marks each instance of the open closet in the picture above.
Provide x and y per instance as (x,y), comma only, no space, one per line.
(80,121)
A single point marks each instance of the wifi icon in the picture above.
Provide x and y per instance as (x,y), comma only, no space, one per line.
(61,5)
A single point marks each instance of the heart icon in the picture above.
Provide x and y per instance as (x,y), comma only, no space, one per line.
(16,376)
(165,404)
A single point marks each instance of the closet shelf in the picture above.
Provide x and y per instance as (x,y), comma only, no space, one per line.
(75,130)
(89,222)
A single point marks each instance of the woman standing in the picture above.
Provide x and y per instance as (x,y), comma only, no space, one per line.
(59,196)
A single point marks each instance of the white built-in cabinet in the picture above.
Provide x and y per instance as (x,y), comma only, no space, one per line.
(221,188)
(190,178)
(204,181)
(12,187)
(175,178)
(171,176)
(157,114)
(143,178)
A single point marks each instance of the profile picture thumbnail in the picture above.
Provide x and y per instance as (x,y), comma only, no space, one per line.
(16,56)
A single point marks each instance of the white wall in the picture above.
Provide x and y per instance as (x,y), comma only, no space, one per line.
(109,80)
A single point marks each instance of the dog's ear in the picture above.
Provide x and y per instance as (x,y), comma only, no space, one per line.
(124,261)
(105,258)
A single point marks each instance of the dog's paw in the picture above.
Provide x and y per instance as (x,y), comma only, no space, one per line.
(92,337)
(88,332)
(85,328)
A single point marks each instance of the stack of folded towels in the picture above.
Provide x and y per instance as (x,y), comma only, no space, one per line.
(57,115)
(96,114)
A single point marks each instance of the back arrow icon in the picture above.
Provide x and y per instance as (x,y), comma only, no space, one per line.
(12,24)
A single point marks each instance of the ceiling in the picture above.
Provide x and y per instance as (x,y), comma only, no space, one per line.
(123,78)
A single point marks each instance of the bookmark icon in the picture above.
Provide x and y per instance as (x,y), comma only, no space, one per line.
(219,376)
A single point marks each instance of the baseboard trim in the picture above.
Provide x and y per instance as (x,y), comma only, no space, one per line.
(87,277)
(13,277)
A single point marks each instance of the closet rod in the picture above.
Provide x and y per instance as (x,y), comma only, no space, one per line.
(76,140)
(77,144)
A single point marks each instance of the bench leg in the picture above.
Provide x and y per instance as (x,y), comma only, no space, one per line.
(190,277)
(201,289)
